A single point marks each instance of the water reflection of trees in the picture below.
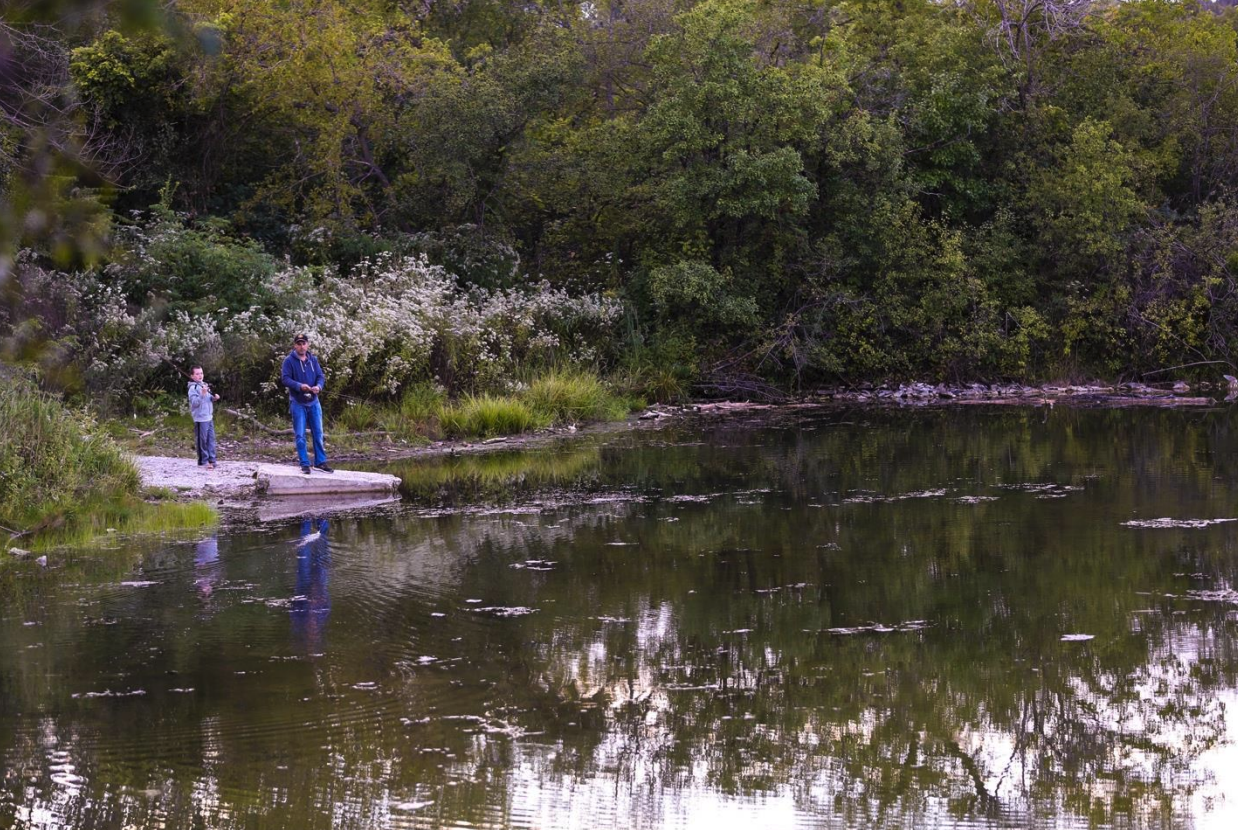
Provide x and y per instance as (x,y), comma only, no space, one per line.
(987,712)
(697,659)
(891,725)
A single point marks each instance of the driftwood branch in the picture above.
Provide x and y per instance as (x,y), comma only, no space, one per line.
(738,384)
(287,433)
(268,430)
(14,534)
(1189,365)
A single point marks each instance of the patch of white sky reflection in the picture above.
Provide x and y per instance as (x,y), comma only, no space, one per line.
(634,782)
(1214,804)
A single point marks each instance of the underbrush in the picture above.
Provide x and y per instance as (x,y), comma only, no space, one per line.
(61,475)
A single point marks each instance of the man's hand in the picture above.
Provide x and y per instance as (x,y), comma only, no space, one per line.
(305,387)
(315,389)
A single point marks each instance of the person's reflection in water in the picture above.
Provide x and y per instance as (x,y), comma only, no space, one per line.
(312,603)
(206,567)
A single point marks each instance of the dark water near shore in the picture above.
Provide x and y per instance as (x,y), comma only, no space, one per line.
(938,618)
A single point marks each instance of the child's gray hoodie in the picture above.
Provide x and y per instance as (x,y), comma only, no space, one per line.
(201,407)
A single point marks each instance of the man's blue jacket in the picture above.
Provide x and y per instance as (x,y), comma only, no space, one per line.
(296,372)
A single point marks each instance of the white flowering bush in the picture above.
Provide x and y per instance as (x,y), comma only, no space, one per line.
(398,319)
(390,322)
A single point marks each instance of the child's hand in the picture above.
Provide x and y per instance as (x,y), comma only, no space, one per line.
(214,397)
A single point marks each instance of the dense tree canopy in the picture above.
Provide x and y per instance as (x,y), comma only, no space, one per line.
(809,190)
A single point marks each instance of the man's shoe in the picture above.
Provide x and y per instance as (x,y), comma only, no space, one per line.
(325,467)
(305,469)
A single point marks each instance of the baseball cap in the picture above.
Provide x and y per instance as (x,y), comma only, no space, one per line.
(300,338)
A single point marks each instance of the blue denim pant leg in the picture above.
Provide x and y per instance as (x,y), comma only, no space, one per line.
(311,417)
(204,441)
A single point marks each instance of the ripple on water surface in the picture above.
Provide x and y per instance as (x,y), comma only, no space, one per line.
(843,627)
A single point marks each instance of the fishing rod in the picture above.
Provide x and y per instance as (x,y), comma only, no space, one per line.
(185,375)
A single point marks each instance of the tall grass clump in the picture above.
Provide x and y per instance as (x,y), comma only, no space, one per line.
(417,414)
(485,416)
(52,458)
(59,470)
(573,395)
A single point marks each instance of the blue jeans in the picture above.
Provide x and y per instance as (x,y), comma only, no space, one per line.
(310,415)
(204,441)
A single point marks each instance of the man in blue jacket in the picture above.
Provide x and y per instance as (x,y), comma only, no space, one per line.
(303,377)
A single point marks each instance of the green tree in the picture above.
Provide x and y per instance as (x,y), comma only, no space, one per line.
(720,147)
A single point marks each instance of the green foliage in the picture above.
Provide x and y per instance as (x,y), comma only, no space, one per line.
(54,461)
(692,296)
(198,270)
(487,416)
(573,397)
(1085,201)
(127,79)
(471,124)
(722,145)
(858,189)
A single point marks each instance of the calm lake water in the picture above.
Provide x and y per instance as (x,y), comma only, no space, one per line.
(969,617)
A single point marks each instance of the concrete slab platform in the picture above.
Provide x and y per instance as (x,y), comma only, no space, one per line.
(282,480)
(245,479)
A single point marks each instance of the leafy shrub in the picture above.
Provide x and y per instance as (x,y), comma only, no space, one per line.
(391,322)
(200,270)
(692,296)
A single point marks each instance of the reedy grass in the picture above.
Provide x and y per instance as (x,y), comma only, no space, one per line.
(487,416)
(417,415)
(357,416)
(423,412)
(558,397)
(573,396)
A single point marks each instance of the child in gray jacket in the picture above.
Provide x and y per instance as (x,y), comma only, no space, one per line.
(202,408)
